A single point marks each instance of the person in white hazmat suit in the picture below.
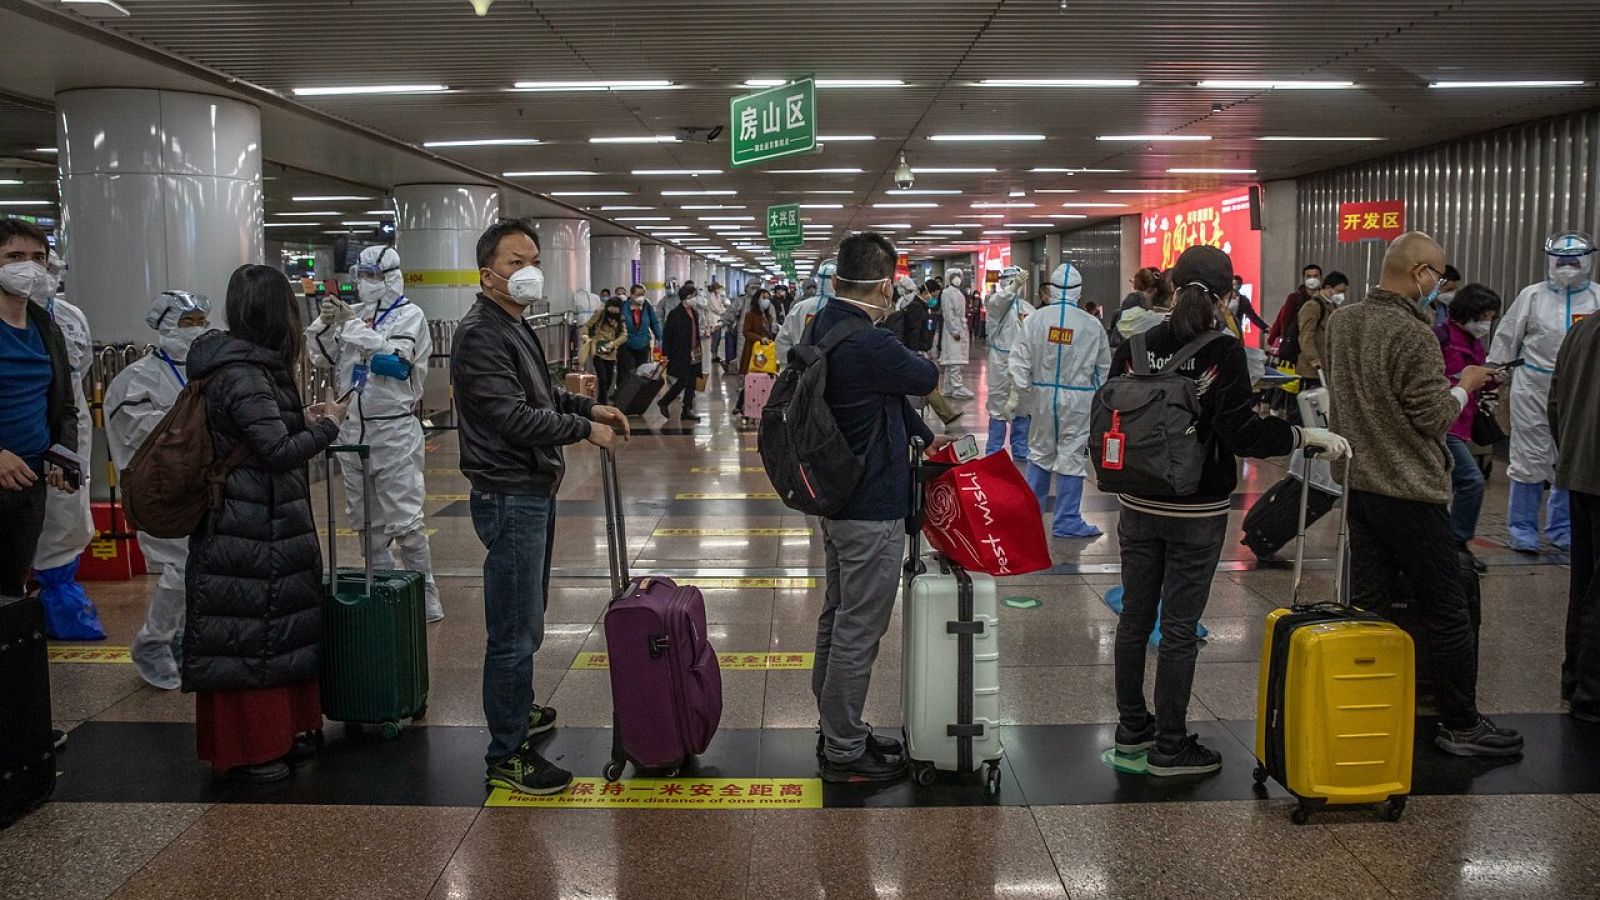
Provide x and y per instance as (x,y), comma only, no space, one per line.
(1532,330)
(68,525)
(1061,356)
(384,344)
(954,341)
(135,402)
(801,314)
(1006,308)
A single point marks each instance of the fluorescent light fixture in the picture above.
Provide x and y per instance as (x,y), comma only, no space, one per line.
(45,150)
(825,205)
(961,224)
(380,212)
(117,8)
(644,219)
(1148,191)
(939,232)
(975,138)
(829,83)
(902,206)
(1017,194)
(690,172)
(1075,171)
(1093,205)
(1059,82)
(1002,231)
(1204,171)
(893,226)
(1229,84)
(626,208)
(982,216)
(845,171)
(954,170)
(824,193)
(293,224)
(903,191)
(604,85)
(698,193)
(636,139)
(1008,205)
(321,212)
(1024,225)
(588,193)
(1063,216)
(727,218)
(327,199)
(373,224)
(1152,138)
(727,227)
(369,89)
(818,227)
(712,206)
(1506,84)
(823,139)
(485,142)
(1308,137)
(9,181)
(1056,191)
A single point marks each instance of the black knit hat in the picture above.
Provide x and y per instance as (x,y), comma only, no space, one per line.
(1207,265)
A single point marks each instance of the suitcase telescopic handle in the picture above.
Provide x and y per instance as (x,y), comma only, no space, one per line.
(365,453)
(914,560)
(616,526)
(1344,532)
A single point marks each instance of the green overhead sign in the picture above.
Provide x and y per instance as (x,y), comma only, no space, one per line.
(773,123)
(784,229)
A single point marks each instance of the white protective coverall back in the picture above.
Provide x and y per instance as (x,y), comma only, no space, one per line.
(1006,309)
(1061,357)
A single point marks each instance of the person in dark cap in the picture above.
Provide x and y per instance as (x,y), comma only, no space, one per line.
(1170,546)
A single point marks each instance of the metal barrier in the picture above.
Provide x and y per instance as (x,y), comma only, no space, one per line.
(557,332)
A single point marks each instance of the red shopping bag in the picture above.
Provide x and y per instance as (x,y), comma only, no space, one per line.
(983,516)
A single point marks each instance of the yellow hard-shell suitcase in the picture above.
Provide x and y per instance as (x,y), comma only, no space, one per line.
(1336,708)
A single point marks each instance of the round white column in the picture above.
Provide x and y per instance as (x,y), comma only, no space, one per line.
(159,190)
(613,263)
(699,272)
(653,265)
(564,256)
(436,234)
(677,267)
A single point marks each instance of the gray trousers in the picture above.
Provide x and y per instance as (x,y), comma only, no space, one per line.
(864,560)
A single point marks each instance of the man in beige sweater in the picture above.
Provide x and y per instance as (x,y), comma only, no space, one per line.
(1391,400)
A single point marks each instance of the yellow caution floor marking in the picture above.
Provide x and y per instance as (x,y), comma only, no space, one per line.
(673,793)
(82,653)
(754,495)
(736,662)
(732,532)
(723,470)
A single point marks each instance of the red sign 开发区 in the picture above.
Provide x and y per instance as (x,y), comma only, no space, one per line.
(1382,220)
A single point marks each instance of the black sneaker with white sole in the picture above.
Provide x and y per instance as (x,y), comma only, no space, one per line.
(870,767)
(1189,758)
(526,772)
(1132,743)
(1483,739)
(541,719)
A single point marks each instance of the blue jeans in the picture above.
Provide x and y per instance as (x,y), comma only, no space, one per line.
(1466,486)
(518,531)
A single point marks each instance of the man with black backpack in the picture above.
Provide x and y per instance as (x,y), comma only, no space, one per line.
(869,376)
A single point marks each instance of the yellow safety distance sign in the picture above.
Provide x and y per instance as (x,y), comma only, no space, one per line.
(78,653)
(673,793)
(446,278)
(736,662)
(754,495)
(800,531)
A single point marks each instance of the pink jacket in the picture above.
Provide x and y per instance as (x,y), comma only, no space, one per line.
(1461,349)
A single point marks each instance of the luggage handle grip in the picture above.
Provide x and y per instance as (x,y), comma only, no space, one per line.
(1343,545)
(365,453)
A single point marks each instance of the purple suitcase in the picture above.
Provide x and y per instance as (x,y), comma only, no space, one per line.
(666,685)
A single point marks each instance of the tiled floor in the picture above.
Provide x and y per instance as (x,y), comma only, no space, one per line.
(137,815)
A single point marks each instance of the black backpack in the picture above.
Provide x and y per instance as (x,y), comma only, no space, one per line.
(1143,437)
(805,454)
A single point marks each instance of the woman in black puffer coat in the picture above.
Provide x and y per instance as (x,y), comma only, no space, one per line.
(255,564)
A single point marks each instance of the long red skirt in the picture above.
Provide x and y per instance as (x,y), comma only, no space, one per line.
(251,727)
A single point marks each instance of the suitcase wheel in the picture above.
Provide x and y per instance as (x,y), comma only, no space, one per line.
(613,770)
(1260,775)
(1302,812)
(991,778)
(1392,809)
(924,773)
(391,730)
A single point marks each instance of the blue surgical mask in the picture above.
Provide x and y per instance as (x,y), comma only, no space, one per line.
(1426,301)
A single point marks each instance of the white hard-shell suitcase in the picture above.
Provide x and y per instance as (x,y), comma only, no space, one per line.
(950,671)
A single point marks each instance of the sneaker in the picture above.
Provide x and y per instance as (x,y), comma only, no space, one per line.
(1482,739)
(1190,758)
(1132,743)
(526,772)
(1471,559)
(266,773)
(541,719)
(887,746)
(870,767)
(1584,714)
(58,739)
(689,417)
(666,412)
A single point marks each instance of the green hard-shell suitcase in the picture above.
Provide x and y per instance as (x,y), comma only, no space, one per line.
(374,641)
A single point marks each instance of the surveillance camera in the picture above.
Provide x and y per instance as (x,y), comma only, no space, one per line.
(903,176)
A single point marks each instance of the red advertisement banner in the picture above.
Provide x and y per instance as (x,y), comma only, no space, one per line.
(1218,220)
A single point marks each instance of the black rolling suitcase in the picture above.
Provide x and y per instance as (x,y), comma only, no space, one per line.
(634,394)
(1275,518)
(27,756)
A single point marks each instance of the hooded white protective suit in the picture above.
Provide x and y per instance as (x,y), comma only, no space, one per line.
(954,341)
(1058,361)
(135,401)
(1532,330)
(1005,308)
(801,314)
(384,326)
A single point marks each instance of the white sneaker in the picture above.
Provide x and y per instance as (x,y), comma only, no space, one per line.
(435,610)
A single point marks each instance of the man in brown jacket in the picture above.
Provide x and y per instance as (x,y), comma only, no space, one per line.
(1575,422)
(1391,400)
(1313,319)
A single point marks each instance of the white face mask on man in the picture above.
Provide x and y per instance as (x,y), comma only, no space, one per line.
(526,285)
(24,279)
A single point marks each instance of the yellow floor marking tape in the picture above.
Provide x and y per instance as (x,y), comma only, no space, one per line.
(723,470)
(447,498)
(737,662)
(708,583)
(351,532)
(80,653)
(674,793)
(755,495)
(800,531)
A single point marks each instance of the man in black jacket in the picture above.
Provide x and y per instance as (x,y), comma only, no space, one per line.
(513,424)
(681,346)
(36,405)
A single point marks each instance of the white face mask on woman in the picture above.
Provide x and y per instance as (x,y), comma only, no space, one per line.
(1478,329)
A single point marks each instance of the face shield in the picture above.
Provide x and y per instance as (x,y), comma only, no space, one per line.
(1571,259)
(378,276)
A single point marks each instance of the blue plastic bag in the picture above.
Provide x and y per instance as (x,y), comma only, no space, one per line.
(1114,601)
(391,365)
(69,614)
